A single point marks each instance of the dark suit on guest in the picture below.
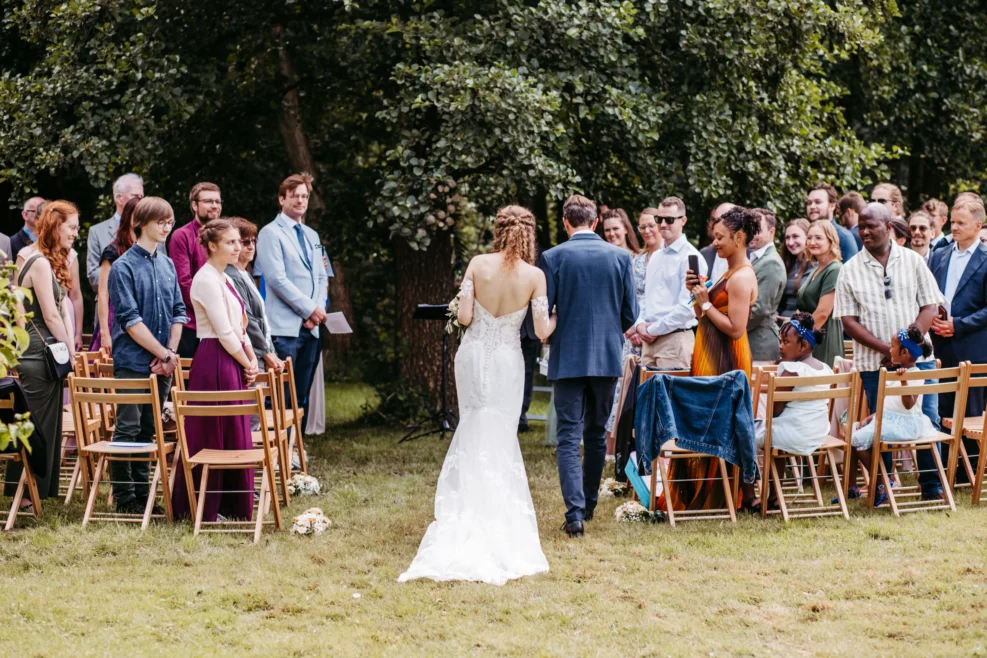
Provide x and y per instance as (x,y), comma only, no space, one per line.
(969,312)
(530,349)
(18,241)
(591,287)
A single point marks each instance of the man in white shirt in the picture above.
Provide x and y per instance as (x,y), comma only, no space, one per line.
(667,320)
(125,188)
(921,226)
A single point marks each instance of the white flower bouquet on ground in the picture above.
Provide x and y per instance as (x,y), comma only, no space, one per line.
(301,484)
(610,488)
(634,512)
(310,522)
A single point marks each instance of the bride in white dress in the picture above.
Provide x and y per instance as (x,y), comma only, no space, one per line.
(485,527)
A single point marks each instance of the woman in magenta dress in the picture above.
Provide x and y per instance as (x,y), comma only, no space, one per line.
(224,361)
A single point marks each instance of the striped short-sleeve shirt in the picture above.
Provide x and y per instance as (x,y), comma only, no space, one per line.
(861,293)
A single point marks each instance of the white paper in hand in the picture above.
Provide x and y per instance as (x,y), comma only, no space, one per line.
(336,324)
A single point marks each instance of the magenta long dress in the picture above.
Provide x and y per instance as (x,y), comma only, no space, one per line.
(230,493)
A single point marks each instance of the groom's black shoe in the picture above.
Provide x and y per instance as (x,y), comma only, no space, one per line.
(588,516)
(573,529)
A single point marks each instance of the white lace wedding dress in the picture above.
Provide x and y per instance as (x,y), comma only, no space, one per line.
(485,527)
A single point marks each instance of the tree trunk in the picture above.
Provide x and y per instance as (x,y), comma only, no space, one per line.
(300,156)
(424,277)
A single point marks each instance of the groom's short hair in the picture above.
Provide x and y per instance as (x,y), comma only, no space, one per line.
(673,202)
(578,211)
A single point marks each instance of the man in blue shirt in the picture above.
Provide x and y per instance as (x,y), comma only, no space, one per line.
(820,205)
(149,315)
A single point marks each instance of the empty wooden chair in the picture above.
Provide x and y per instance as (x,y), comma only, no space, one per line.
(267,382)
(834,450)
(227,403)
(292,413)
(108,393)
(670,451)
(26,480)
(903,498)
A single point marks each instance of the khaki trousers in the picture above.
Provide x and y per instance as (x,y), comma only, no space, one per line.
(670,352)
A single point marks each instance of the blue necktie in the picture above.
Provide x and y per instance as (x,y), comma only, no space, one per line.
(301,243)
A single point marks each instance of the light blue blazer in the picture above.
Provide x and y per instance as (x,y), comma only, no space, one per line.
(294,289)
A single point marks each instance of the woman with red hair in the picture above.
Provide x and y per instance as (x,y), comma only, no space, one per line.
(46,274)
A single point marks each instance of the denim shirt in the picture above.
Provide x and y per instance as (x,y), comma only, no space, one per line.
(143,288)
(710,415)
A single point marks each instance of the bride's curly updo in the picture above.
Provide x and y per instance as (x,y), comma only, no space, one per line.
(514,235)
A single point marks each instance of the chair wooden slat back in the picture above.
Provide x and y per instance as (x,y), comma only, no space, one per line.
(956,380)
(296,417)
(841,386)
(973,430)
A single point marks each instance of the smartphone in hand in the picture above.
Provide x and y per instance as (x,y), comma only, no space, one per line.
(694,269)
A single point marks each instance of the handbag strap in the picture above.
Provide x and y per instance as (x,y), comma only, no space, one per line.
(20,280)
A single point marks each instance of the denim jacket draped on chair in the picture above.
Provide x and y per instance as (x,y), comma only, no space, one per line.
(709,415)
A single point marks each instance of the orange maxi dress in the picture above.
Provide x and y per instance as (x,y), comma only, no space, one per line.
(715,354)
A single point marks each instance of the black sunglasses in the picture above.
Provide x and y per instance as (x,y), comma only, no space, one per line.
(884,201)
(887,287)
(667,220)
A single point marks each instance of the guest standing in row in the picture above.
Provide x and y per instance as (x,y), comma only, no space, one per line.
(28,234)
(189,255)
(850,206)
(125,188)
(290,258)
(797,265)
(900,233)
(124,240)
(224,361)
(820,205)
(143,290)
(715,264)
(920,226)
(762,327)
(889,196)
(665,323)
(939,212)
(817,294)
(46,275)
(617,230)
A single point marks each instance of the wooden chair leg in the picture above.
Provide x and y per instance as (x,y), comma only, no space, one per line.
(302,456)
(653,497)
(200,509)
(73,480)
(666,491)
(262,504)
(32,489)
(93,490)
(766,471)
(946,490)
(776,479)
(269,469)
(979,480)
(816,489)
(15,506)
(284,465)
(152,494)
(837,484)
(728,491)
(887,486)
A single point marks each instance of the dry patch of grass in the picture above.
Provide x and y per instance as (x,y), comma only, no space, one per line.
(873,585)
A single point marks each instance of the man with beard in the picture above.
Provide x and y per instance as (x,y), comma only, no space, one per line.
(188,255)
(820,205)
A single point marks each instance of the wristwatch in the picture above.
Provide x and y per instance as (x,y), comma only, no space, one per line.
(706,306)
(168,358)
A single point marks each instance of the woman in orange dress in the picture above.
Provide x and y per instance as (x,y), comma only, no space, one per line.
(721,346)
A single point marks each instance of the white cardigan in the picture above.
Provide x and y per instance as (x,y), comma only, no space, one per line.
(218,313)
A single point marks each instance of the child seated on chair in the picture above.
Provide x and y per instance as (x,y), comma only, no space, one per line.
(799,427)
(902,419)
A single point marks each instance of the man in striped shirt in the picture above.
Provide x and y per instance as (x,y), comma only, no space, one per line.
(884,289)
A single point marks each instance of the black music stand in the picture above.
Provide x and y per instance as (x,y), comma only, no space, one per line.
(443,420)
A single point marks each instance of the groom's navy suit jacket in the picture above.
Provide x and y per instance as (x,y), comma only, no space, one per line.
(591,286)
(969,307)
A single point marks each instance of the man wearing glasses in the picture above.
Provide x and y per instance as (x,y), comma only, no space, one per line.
(884,289)
(666,321)
(189,255)
(125,188)
(292,261)
(28,234)
(920,226)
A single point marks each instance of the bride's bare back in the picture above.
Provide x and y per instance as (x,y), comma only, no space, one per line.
(503,290)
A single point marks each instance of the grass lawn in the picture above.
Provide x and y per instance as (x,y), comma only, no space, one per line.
(871,586)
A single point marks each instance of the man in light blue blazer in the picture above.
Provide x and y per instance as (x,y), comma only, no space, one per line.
(591,286)
(292,261)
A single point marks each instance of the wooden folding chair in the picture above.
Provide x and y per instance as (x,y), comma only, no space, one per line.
(840,386)
(290,416)
(84,367)
(267,383)
(104,392)
(215,404)
(973,430)
(848,349)
(182,373)
(27,478)
(670,451)
(956,377)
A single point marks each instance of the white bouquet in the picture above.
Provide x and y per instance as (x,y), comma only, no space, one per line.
(610,488)
(310,522)
(633,511)
(302,484)
(452,324)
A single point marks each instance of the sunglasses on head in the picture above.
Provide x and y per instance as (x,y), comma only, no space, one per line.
(884,201)
(887,287)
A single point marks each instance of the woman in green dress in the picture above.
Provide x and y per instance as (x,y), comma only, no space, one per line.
(818,291)
(46,274)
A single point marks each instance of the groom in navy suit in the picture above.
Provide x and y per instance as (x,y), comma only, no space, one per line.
(591,287)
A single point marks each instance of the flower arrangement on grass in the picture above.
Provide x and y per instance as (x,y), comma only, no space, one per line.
(610,488)
(301,484)
(310,522)
(634,512)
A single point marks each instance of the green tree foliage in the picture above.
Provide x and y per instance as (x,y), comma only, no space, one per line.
(13,341)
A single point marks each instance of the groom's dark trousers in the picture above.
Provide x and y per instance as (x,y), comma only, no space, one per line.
(582,405)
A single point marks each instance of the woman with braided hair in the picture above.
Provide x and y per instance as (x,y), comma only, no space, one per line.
(485,527)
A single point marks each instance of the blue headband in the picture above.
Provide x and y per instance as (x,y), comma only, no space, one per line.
(913,348)
(806,335)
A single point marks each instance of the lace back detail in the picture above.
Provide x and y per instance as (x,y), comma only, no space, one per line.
(539,307)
